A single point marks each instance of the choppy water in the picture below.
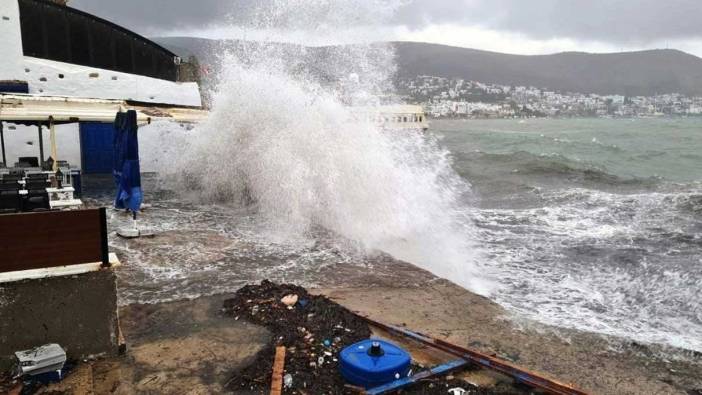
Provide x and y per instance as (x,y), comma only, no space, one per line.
(591,224)
(588,224)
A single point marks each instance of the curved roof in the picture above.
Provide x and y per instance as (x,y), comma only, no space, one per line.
(64,34)
(115,26)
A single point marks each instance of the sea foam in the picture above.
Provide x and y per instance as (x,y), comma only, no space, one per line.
(282,139)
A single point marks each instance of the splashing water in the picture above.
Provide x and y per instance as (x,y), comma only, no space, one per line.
(281,137)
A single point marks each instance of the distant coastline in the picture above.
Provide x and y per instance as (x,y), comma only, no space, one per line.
(458,98)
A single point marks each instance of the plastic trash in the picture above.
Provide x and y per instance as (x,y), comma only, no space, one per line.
(457,391)
(373,362)
(289,300)
(39,360)
(288,380)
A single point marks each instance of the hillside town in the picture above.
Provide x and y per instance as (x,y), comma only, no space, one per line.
(457,98)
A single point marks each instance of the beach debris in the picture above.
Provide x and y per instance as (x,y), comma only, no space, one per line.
(457,391)
(278,367)
(287,380)
(289,300)
(312,366)
(39,360)
(295,329)
(373,362)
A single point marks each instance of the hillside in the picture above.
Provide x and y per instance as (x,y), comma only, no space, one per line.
(629,73)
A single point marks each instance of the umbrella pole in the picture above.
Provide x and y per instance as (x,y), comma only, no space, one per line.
(41,146)
(52,139)
(2,142)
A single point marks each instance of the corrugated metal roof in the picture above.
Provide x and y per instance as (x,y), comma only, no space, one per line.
(33,108)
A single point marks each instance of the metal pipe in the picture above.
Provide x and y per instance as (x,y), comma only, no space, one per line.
(2,143)
(519,374)
(41,146)
(404,382)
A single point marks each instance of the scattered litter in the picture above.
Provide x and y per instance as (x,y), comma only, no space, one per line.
(43,359)
(278,366)
(457,391)
(289,300)
(288,380)
(311,367)
(314,317)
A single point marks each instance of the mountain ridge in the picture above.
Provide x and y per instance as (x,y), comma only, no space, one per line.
(633,73)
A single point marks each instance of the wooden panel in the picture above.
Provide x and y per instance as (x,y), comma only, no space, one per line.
(51,239)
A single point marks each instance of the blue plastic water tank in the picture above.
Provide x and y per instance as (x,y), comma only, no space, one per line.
(373,362)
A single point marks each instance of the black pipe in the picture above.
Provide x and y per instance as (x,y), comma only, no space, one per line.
(2,143)
(41,147)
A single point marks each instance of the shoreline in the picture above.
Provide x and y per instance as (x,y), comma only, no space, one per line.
(190,343)
(586,359)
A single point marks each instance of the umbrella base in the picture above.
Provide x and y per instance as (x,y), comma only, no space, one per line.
(132,233)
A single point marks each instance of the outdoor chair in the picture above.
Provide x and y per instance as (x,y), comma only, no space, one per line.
(10,201)
(36,200)
(28,161)
(41,184)
(10,186)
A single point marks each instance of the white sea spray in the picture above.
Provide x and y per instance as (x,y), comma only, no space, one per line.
(282,138)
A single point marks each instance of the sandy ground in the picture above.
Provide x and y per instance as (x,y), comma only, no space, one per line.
(188,347)
(182,347)
(591,362)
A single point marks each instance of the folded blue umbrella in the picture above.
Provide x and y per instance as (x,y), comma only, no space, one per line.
(126,169)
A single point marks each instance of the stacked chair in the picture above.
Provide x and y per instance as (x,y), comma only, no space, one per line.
(10,199)
(37,198)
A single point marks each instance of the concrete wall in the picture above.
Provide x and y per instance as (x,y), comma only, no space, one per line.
(10,41)
(78,312)
(24,141)
(49,77)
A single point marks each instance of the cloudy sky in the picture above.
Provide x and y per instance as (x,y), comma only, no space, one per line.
(513,26)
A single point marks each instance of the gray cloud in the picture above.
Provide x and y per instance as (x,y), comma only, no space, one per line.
(152,17)
(610,21)
(613,21)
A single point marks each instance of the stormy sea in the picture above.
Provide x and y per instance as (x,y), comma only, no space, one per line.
(593,224)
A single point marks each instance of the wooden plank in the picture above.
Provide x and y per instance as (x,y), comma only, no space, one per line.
(50,239)
(278,368)
(521,375)
(47,272)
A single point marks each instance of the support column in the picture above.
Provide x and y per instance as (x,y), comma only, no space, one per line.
(2,143)
(41,146)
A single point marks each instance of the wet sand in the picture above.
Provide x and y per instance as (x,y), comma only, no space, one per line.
(190,345)
(592,362)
